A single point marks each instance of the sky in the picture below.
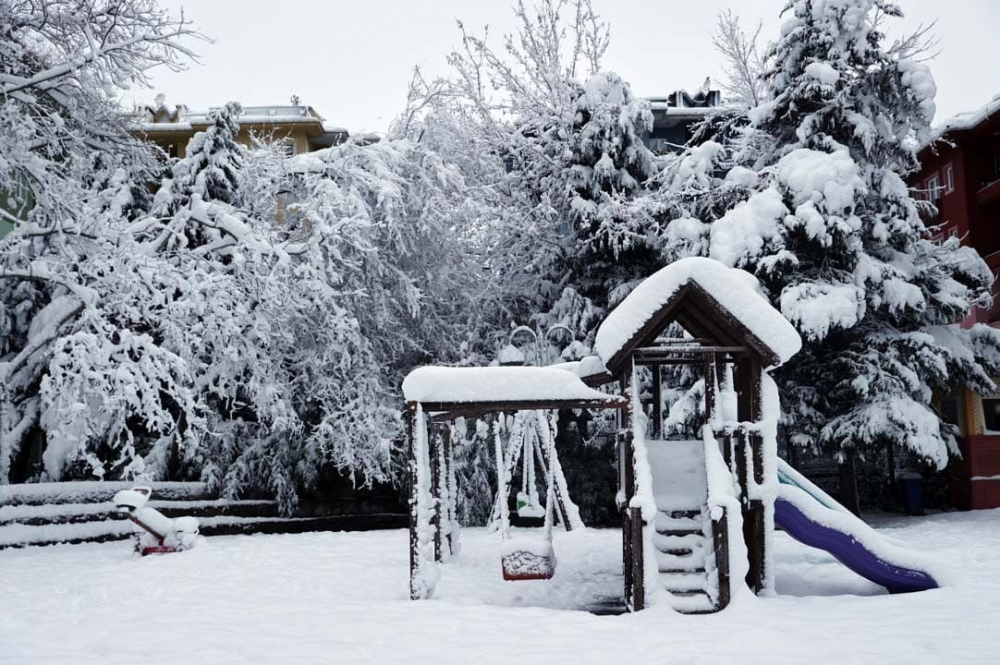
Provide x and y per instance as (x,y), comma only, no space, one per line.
(352,59)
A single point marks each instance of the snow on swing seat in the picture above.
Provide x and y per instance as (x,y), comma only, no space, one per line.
(458,385)
(527,559)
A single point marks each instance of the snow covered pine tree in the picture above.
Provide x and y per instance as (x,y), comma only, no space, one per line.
(835,237)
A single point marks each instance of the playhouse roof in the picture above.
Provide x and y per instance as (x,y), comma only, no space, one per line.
(446,388)
(734,291)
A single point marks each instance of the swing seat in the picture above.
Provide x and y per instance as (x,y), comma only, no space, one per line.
(527,559)
(526,522)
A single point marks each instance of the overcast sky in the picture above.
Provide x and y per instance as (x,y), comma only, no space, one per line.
(352,59)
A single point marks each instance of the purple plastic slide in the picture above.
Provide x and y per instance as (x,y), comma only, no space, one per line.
(800,523)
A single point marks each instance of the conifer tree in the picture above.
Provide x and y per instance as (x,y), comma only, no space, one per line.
(836,239)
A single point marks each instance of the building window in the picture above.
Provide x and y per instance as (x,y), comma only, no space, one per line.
(991,415)
(933,188)
(288,147)
(949,179)
(949,410)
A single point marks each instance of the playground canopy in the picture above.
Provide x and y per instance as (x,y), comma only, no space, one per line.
(468,391)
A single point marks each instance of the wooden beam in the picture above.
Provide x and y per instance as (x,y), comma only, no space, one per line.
(675,350)
(653,362)
(444,411)
(657,402)
(683,340)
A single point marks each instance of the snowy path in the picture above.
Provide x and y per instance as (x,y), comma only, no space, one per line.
(341,598)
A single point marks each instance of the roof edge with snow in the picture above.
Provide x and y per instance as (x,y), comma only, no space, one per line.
(501,388)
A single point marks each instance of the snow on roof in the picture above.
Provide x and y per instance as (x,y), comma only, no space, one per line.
(331,128)
(285,115)
(584,368)
(733,289)
(164,126)
(968,119)
(497,384)
(670,109)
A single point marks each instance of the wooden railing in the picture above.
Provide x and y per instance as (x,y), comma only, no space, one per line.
(720,536)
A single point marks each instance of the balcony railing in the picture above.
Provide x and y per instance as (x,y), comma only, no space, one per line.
(989,192)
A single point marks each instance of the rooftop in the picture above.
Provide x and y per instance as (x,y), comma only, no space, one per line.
(967,120)
(680,102)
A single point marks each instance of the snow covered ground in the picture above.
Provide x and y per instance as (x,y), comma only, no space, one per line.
(341,598)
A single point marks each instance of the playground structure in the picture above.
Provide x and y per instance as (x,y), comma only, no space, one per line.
(696,514)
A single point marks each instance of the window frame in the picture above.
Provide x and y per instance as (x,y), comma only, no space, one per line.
(949,178)
(982,405)
(933,186)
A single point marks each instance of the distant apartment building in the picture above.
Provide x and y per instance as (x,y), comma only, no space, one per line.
(297,127)
(960,174)
(676,116)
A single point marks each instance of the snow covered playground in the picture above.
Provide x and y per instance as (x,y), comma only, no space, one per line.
(700,551)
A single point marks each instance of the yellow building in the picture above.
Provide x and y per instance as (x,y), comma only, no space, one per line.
(297,126)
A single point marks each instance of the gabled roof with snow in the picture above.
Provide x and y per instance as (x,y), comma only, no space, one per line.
(445,388)
(739,313)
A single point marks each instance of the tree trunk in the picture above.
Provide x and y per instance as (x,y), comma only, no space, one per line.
(849,483)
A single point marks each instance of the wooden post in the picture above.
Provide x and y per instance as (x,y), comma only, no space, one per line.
(411,463)
(434,453)
(709,373)
(638,572)
(657,402)
(628,491)
(750,449)
(720,533)
(449,480)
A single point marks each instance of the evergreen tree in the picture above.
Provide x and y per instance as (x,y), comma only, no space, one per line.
(835,237)
(607,167)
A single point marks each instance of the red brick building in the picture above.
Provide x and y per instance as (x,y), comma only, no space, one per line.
(960,173)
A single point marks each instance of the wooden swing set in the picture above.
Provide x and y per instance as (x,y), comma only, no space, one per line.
(526,393)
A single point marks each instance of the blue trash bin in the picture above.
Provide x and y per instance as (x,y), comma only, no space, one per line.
(912,486)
